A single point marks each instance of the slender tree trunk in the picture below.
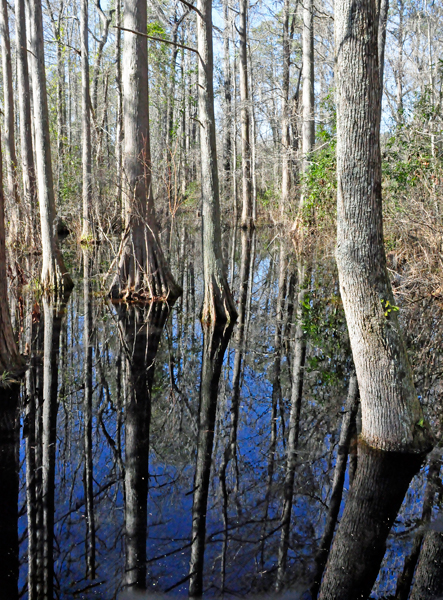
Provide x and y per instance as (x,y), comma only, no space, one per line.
(382,23)
(143,273)
(24,104)
(246,218)
(9,137)
(105,21)
(392,417)
(86,124)
(54,274)
(215,342)
(285,131)
(308,128)
(227,121)
(9,357)
(218,304)
(119,129)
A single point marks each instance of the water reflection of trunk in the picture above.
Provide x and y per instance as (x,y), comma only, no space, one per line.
(87,416)
(378,490)
(215,342)
(405,579)
(428,583)
(230,452)
(348,430)
(9,468)
(298,366)
(41,451)
(142,329)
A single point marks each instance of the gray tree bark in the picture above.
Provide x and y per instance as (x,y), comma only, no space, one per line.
(308,128)
(392,417)
(54,274)
(218,304)
(143,273)
(246,217)
(86,124)
(24,107)
(9,137)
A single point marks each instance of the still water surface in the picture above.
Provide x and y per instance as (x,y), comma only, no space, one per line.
(153,451)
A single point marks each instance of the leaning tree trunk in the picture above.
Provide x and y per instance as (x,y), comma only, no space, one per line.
(392,417)
(143,273)
(24,109)
(54,275)
(218,304)
(9,138)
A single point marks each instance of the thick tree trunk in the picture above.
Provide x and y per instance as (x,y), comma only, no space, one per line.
(54,275)
(246,218)
(392,417)
(24,106)
(380,485)
(86,124)
(143,273)
(9,137)
(218,304)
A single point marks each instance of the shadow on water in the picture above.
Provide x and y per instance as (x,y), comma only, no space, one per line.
(160,455)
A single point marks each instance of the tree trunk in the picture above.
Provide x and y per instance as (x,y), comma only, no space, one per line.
(54,275)
(119,128)
(9,357)
(86,124)
(24,105)
(246,218)
(392,417)
(308,127)
(428,584)
(285,131)
(218,304)
(9,137)
(143,273)
(227,121)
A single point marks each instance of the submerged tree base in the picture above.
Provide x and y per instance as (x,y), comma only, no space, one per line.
(143,275)
(218,305)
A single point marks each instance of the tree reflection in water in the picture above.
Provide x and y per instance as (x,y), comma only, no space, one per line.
(215,472)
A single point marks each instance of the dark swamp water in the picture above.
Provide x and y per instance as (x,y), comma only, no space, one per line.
(143,449)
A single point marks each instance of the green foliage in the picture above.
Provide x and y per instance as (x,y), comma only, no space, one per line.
(267,198)
(388,307)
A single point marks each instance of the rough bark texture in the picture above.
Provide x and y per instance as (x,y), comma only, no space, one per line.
(428,584)
(86,123)
(9,358)
(54,275)
(285,130)
(218,304)
(246,217)
(24,109)
(392,418)
(373,502)
(143,273)
(308,131)
(227,122)
(8,109)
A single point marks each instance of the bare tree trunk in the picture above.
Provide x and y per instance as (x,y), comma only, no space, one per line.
(54,275)
(106,21)
(285,131)
(86,125)
(24,103)
(218,304)
(308,128)
(9,357)
(227,122)
(119,129)
(9,137)
(143,273)
(392,417)
(246,219)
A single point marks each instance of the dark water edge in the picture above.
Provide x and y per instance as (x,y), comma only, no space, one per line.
(152,451)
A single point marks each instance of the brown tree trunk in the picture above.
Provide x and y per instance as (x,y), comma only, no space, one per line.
(308,127)
(218,304)
(392,417)
(246,218)
(86,124)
